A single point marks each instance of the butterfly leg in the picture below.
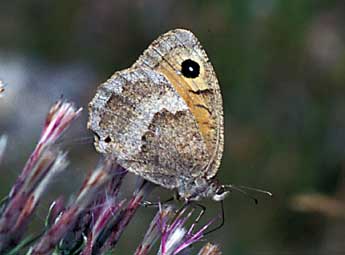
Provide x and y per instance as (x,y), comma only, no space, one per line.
(202,212)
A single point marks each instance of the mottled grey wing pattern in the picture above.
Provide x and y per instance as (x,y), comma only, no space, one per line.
(139,117)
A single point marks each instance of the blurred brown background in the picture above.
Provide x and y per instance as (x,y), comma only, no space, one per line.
(281,66)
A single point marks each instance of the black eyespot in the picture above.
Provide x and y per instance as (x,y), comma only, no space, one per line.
(190,68)
(107,139)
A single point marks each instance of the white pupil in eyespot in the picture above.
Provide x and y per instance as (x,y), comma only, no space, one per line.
(190,69)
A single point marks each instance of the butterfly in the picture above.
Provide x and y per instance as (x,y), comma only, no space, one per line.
(162,118)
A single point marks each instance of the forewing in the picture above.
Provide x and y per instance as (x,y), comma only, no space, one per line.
(201,94)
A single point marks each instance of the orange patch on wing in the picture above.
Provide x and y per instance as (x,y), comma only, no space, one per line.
(195,102)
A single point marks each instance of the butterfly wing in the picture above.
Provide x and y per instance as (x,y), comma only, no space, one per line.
(139,117)
(179,56)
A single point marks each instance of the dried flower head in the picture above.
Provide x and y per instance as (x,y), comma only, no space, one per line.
(175,236)
(20,207)
(153,233)
(44,163)
(59,118)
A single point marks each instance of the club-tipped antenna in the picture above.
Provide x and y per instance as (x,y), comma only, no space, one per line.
(256,190)
(242,191)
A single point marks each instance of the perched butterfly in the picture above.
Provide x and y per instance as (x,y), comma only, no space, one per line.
(162,118)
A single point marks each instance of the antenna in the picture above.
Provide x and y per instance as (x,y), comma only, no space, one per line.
(243,189)
(256,190)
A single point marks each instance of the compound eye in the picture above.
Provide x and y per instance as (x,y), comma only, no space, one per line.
(220,191)
(190,69)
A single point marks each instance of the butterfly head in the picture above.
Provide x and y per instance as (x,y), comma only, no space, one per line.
(216,191)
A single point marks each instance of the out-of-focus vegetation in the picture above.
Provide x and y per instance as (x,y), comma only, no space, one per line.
(281,66)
